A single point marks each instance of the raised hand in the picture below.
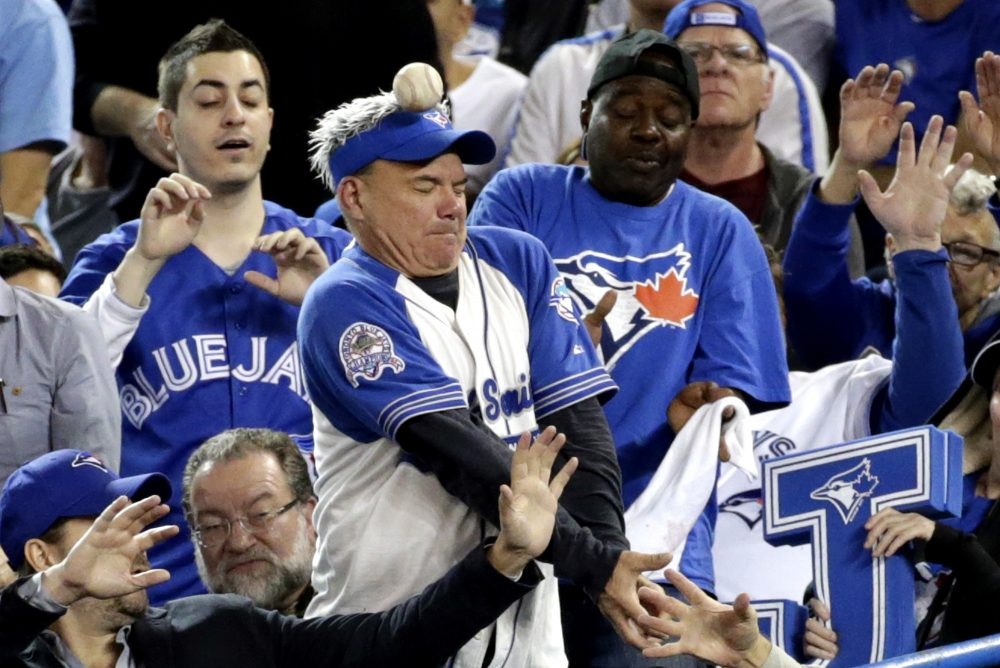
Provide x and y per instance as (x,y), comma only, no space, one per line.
(594,321)
(889,530)
(6,574)
(528,505)
(715,632)
(870,114)
(104,563)
(982,121)
(300,261)
(819,640)
(913,206)
(171,217)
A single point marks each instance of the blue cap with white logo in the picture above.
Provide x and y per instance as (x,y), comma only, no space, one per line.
(64,483)
(410,136)
(684,16)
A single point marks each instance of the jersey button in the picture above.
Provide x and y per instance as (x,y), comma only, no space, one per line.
(243,390)
(235,289)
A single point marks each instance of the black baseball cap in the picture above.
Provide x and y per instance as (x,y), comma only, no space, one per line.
(623,58)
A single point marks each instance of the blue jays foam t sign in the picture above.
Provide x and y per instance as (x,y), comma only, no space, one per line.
(783,622)
(826,495)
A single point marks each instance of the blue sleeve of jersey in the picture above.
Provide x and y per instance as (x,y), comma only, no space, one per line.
(500,204)
(564,365)
(928,363)
(93,263)
(830,318)
(366,367)
(748,356)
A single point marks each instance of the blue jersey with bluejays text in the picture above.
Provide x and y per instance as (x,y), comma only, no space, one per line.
(696,302)
(512,352)
(212,353)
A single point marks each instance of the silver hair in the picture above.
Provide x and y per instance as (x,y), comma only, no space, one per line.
(349,120)
(972,192)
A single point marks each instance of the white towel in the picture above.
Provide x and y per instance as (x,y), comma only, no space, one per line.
(661,518)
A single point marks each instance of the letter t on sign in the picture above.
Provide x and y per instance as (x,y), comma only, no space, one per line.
(826,495)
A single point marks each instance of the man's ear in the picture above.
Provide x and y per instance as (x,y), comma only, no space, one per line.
(40,555)
(765,103)
(349,197)
(165,126)
(586,109)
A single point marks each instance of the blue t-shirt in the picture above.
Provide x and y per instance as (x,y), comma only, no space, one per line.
(696,302)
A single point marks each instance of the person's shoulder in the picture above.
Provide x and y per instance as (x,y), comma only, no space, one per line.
(504,242)
(20,14)
(281,218)
(493,71)
(575,50)
(713,210)
(52,310)
(540,176)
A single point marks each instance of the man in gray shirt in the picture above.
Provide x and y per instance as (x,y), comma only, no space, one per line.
(57,388)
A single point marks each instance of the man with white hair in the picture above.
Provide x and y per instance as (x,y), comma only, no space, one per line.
(426,351)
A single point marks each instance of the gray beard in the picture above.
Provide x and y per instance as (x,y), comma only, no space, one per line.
(270,591)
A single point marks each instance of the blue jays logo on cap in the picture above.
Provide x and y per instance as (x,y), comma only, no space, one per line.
(436,116)
(87,459)
(409,136)
(63,484)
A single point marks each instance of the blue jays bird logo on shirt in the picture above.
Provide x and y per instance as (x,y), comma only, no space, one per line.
(365,351)
(652,292)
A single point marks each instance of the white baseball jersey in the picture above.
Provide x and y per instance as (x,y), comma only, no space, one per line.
(828,406)
(378,351)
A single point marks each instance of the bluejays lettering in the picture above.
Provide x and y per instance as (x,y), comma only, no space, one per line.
(183,364)
(653,292)
(506,403)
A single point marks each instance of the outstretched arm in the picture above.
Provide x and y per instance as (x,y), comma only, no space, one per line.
(726,635)
(928,352)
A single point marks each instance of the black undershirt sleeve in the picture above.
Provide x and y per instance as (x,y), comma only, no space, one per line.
(471,463)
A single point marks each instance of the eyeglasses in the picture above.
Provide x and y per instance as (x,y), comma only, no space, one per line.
(214,535)
(969,255)
(734,54)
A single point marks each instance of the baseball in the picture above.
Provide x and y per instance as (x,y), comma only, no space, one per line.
(417,87)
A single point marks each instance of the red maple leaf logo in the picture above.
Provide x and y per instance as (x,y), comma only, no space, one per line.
(669,299)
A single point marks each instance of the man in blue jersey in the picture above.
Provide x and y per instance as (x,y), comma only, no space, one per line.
(696,316)
(427,349)
(201,349)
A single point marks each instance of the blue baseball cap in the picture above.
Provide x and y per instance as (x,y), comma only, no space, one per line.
(64,483)
(684,16)
(410,136)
